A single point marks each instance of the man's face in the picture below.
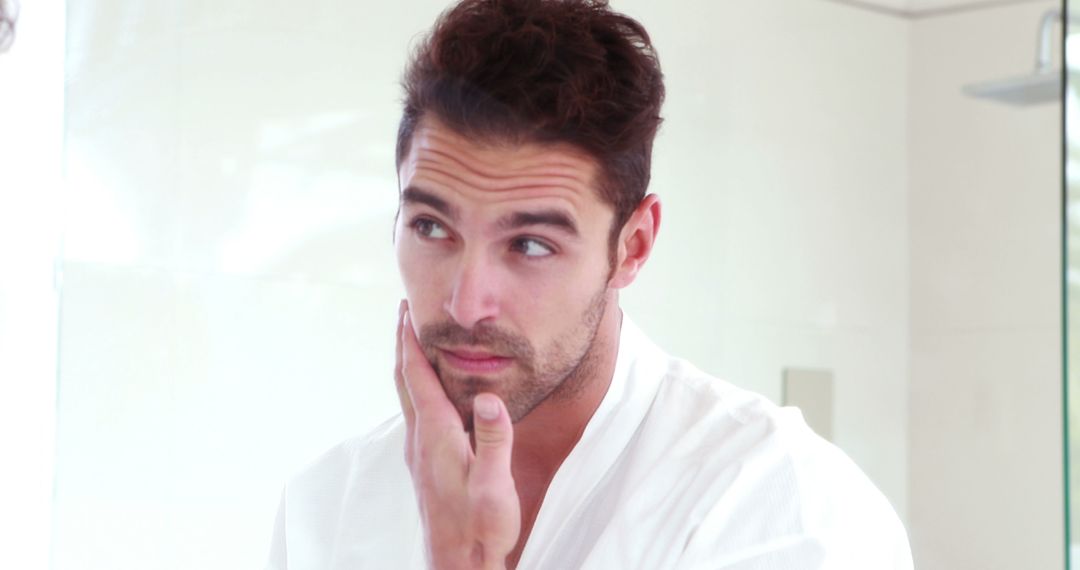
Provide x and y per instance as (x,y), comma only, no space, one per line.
(504,255)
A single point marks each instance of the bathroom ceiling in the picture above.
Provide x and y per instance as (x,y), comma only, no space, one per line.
(918,7)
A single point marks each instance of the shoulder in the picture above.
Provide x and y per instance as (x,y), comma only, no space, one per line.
(350,507)
(718,415)
(376,456)
(776,490)
(744,426)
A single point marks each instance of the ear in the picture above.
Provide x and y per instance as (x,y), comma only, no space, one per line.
(635,242)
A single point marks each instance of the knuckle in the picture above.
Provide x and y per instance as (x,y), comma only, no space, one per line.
(491,437)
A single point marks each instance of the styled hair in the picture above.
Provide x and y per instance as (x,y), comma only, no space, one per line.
(543,71)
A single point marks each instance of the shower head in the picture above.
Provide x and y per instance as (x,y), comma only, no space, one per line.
(1039,87)
(1043,86)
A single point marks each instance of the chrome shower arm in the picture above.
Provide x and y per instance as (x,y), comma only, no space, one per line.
(1046,31)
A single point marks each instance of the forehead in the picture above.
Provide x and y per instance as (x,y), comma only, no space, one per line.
(444,161)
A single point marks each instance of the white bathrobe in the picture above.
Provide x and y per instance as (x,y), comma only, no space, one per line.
(675,470)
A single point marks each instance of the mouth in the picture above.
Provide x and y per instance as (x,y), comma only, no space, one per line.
(475,361)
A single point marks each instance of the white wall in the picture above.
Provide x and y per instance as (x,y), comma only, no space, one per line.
(986,368)
(229,292)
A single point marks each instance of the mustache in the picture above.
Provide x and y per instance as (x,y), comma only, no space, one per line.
(490,337)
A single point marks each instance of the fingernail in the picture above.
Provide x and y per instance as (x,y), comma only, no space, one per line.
(486,407)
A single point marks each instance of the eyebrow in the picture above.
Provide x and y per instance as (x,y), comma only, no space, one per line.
(555,218)
(414,195)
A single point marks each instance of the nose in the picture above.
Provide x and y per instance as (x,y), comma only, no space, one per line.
(473,294)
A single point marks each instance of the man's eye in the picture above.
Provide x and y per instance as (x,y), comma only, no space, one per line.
(530,247)
(430,229)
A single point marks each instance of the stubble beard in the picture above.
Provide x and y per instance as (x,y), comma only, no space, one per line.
(558,374)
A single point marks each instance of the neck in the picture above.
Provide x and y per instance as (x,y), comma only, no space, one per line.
(544,437)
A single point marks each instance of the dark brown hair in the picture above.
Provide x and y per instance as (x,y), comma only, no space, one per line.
(543,71)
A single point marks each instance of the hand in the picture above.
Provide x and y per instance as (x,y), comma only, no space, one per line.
(468,503)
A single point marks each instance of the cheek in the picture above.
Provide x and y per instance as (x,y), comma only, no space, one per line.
(561,294)
(422,281)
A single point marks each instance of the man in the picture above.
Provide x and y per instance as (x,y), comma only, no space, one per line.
(539,427)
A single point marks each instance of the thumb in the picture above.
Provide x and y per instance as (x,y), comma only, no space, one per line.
(494,505)
(493,433)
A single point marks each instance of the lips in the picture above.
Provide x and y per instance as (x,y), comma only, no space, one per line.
(475,362)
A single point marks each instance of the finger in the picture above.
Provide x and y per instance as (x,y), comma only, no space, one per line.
(399,377)
(428,398)
(494,436)
(493,496)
